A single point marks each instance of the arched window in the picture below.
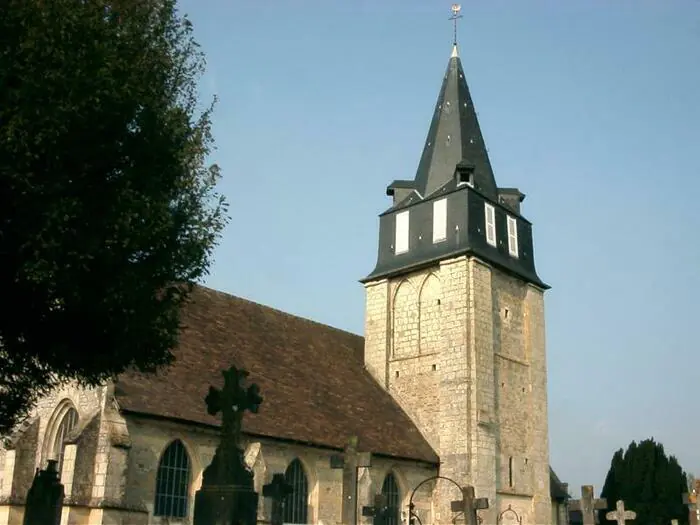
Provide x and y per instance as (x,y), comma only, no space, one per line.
(390,489)
(67,424)
(296,503)
(173,482)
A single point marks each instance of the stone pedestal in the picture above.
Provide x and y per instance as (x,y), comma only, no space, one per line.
(225,505)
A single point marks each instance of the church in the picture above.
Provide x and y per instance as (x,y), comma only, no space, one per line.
(449,380)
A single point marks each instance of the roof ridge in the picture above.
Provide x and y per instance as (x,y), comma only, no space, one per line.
(230,295)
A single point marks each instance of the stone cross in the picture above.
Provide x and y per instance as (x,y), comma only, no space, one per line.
(350,461)
(469,505)
(620,514)
(277,490)
(587,505)
(232,401)
(378,511)
(228,466)
(674,522)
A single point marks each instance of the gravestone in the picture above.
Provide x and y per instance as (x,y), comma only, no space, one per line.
(469,505)
(620,515)
(277,490)
(587,505)
(227,496)
(350,461)
(45,497)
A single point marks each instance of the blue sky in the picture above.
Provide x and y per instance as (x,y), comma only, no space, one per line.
(588,106)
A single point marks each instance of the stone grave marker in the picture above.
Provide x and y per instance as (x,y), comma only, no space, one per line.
(469,505)
(587,505)
(277,490)
(45,497)
(620,515)
(350,461)
(380,511)
(227,496)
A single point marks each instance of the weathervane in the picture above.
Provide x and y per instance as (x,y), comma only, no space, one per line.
(456,8)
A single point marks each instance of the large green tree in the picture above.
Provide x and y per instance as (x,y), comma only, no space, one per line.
(649,482)
(108,209)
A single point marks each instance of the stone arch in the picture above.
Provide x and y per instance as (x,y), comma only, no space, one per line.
(404,320)
(297,505)
(174,477)
(403,486)
(429,314)
(59,430)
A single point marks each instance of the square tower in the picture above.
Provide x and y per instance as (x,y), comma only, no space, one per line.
(454,325)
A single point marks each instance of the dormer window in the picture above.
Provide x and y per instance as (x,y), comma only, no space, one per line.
(401,233)
(490,216)
(465,174)
(465,178)
(512,236)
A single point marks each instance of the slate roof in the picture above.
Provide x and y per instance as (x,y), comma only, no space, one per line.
(559,491)
(315,387)
(454,136)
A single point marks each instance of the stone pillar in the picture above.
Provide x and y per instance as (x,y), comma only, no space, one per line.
(377,330)
(454,369)
(539,435)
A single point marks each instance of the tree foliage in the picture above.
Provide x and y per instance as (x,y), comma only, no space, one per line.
(649,482)
(108,210)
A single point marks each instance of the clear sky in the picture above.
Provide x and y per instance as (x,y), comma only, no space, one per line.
(590,107)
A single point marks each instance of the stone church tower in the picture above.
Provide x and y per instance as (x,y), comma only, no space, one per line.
(455,317)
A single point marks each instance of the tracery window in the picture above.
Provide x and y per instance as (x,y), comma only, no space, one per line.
(173,482)
(390,489)
(296,503)
(58,447)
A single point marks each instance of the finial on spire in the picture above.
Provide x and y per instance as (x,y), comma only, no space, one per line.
(456,8)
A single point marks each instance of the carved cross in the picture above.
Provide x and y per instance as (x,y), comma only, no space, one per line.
(469,505)
(350,461)
(277,490)
(620,514)
(587,505)
(232,401)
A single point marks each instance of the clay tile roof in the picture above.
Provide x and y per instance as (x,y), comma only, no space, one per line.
(315,387)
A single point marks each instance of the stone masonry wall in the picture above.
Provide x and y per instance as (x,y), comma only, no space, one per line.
(266,457)
(461,347)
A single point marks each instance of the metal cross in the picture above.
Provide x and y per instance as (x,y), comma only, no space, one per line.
(469,505)
(587,505)
(232,401)
(350,461)
(277,490)
(379,511)
(456,8)
(620,514)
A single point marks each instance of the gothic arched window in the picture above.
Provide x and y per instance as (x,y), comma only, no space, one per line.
(390,489)
(58,446)
(173,482)
(296,503)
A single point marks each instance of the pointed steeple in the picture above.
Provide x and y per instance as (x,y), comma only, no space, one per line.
(454,137)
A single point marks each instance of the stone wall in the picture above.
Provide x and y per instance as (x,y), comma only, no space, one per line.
(112,462)
(460,345)
(266,457)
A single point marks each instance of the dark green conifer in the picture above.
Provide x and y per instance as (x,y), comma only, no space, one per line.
(649,482)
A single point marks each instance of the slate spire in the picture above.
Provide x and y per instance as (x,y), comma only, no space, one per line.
(454,137)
